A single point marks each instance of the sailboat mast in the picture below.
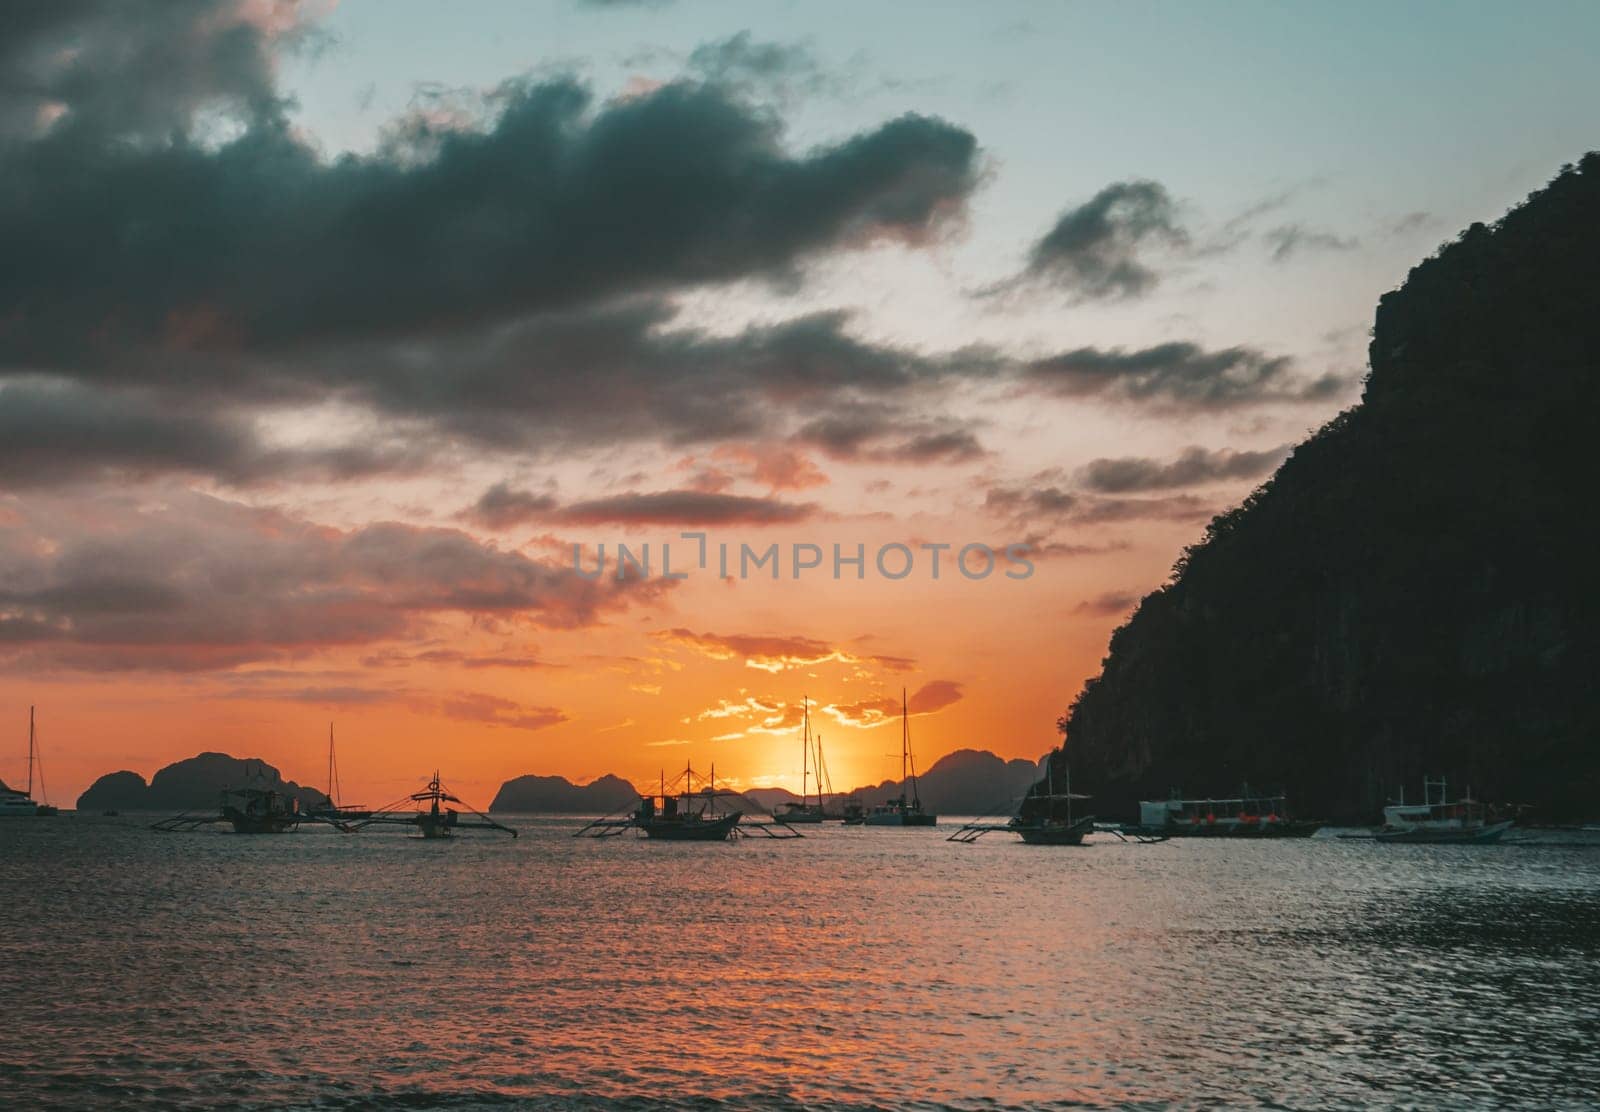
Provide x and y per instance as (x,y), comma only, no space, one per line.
(30,752)
(805,748)
(905,754)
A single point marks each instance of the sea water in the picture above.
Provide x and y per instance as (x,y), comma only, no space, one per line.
(856,968)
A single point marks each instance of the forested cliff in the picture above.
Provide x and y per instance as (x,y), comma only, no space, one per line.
(1414,591)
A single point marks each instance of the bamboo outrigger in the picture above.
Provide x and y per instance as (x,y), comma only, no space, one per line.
(680,812)
(252,809)
(433,820)
(1042,820)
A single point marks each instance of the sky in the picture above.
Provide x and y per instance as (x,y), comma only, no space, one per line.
(337,339)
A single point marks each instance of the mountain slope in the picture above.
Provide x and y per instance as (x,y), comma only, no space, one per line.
(1411,593)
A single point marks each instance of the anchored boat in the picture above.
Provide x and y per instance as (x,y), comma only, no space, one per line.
(1047,819)
(902,811)
(252,809)
(1244,816)
(435,818)
(688,815)
(335,810)
(804,811)
(15,804)
(1044,819)
(1438,819)
(683,812)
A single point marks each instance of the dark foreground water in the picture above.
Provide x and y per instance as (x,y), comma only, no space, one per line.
(856,968)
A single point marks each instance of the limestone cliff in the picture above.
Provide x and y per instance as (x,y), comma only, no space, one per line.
(1413,591)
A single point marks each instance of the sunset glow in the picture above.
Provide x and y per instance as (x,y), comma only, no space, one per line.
(384,338)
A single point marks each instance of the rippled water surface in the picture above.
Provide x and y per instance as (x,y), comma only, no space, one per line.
(856,968)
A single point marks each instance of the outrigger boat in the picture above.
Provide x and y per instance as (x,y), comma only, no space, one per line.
(900,811)
(1044,818)
(15,804)
(682,812)
(1047,820)
(1244,816)
(435,819)
(252,809)
(804,811)
(1439,820)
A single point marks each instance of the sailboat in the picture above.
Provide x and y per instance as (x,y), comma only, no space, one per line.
(805,811)
(335,808)
(15,804)
(1047,819)
(901,811)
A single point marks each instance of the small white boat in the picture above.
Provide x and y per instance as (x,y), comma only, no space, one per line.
(1440,820)
(901,811)
(803,810)
(21,804)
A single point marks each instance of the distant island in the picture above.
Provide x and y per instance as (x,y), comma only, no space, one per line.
(968,781)
(189,784)
(558,795)
(1414,592)
(965,782)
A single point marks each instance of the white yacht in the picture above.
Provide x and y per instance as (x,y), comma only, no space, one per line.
(1438,818)
(901,811)
(21,804)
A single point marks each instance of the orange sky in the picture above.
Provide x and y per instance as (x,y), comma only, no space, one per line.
(713,671)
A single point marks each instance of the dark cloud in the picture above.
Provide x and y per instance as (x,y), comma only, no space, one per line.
(1109,603)
(683,507)
(1411,222)
(501,507)
(930,698)
(57,431)
(1295,239)
(1045,501)
(1029,507)
(884,433)
(741,60)
(495,710)
(260,244)
(185,581)
(496,274)
(1094,251)
(391,658)
(139,69)
(586,377)
(1181,375)
(1192,467)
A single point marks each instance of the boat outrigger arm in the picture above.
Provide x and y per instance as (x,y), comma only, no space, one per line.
(436,820)
(256,808)
(675,803)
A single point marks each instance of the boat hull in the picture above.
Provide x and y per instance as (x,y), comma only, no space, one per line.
(1056,834)
(713,830)
(23,807)
(800,818)
(912,818)
(1242,830)
(262,824)
(1460,836)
